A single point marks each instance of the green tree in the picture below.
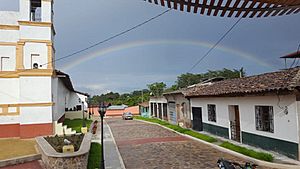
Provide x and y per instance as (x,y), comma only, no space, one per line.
(157,88)
(185,80)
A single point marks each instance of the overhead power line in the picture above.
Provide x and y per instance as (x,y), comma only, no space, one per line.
(105,40)
(215,45)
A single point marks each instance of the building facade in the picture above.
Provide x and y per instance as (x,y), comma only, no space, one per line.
(159,107)
(261,110)
(31,91)
(179,108)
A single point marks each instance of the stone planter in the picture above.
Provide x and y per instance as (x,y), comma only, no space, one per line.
(55,160)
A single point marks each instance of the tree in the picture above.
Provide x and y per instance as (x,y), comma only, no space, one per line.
(157,88)
(185,80)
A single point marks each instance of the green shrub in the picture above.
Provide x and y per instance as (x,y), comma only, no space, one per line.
(76,124)
(201,136)
(248,152)
(94,156)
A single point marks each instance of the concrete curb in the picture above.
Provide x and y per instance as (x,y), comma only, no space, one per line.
(118,152)
(253,160)
(20,160)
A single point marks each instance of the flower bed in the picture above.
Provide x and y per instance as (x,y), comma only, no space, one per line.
(53,159)
(58,142)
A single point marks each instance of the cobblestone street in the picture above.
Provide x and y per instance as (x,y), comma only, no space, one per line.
(147,146)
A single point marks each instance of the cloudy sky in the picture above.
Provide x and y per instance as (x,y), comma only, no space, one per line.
(163,48)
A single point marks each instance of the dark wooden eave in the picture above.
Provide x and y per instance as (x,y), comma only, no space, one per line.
(234,8)
(292,55)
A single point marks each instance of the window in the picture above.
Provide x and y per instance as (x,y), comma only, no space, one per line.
(211,110)
(264,118)
(35,10)
(4,64)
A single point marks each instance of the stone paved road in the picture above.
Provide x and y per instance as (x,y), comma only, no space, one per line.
(28,165)
(148,146)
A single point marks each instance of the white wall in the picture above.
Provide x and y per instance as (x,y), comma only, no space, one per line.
(24,10)
(46,11)
(35,89)
(9,120)
(35,115)
(9,35)
(8,51)
(9,18)
(30,32)
(282,122)
(9,90)
(35,48)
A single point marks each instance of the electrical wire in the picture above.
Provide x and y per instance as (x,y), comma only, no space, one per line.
(103,41)
(215,45)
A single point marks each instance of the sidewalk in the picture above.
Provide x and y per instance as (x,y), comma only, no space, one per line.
(112,157)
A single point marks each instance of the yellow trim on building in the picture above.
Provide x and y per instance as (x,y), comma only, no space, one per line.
(19,55)
(9,27)
(50,56)
(29,23)
(31,104)
(5,110)
(5,107)
(8,44)
(26,72)
(35,41)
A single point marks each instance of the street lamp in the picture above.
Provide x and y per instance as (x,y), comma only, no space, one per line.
(102,111)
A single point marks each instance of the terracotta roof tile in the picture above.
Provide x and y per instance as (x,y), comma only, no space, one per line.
(282,80)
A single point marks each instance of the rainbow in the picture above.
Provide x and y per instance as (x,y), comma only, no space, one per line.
(101,52)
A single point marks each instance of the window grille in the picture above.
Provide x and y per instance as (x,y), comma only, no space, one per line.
(211,110)
(264,118)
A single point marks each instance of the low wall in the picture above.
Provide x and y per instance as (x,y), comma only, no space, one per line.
(55,160)
(75,115)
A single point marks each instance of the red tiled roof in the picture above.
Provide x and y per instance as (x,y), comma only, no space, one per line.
(282,80)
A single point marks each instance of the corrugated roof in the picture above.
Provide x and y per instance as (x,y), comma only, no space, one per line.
(287,79)
(117,107)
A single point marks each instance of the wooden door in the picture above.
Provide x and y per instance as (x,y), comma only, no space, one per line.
(197,118)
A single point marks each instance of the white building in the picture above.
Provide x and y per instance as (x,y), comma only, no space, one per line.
(32,94)
(159,107)
(261,110)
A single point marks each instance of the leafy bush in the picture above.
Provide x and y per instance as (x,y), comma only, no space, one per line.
(94,156)
(248,152)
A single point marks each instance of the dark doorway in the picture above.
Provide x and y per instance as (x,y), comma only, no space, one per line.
(197,118)
(159,110)
(155,109)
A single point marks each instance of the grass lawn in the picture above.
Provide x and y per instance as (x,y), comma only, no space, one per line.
(179,129)
(248,152)
(76,124)
(12,148)
(94,156)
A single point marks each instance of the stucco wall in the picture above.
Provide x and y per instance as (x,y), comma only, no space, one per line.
(9,90)
(29,32)
(35,48)
(9,35)
(9,18)
(35,89)
(10,52)
(285,126)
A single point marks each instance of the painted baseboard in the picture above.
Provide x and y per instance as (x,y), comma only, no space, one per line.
(287,148)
